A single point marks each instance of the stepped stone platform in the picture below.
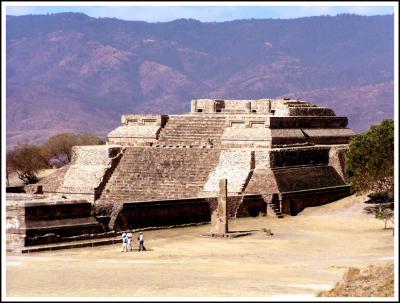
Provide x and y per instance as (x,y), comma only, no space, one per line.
(37,220)
(278,156)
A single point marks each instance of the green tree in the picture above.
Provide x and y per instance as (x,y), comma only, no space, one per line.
(26,160)
(58,148)
(370,160)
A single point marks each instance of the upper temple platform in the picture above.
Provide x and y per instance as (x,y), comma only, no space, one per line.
(236,123)
(274,107)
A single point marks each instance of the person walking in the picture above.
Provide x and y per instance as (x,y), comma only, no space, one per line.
(129,235)
(141,242)
(124,242)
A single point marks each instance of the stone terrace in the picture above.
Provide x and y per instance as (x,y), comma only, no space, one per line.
(160,173)
(192,130)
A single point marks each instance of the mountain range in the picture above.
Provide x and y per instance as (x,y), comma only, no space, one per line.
(71,72)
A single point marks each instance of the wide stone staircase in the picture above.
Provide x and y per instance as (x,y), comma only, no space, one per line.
(194,130)
(159,173)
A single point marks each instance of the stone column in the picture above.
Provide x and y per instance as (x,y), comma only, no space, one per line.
(219,217)
(222,206)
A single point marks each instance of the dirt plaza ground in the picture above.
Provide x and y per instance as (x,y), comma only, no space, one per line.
(306,254)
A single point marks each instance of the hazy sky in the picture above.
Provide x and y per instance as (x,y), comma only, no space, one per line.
(159,12)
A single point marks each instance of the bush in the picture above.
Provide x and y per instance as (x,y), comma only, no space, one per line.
(370,160)
(57,149)
(26,160)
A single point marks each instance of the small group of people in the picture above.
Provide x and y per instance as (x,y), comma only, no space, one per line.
(127,241)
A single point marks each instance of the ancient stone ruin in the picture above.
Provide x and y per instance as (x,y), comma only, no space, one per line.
(278,156)
(219,218)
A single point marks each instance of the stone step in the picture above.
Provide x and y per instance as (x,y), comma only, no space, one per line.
(189,138)
(194,132)
(196,122)
(196,118)
(145,174)
(69,245)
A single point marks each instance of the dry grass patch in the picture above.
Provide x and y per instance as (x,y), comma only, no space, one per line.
(373,281)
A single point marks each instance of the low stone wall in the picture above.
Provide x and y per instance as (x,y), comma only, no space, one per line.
(133,119)
(294,202)
(307,122)
(310,111)
(138,130)
(169,213)
(287,136)
(299,156)
(251,206)
(329,136)
(299,108)
(36,220)
(162,214)
(242,205)
(249,137)
(233,203)
(134,135)
(218,105)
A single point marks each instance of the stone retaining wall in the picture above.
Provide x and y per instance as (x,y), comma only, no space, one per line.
(235,166)
(281,157)
(294,202)
(134,135)
(337,159)
(138,130)
(308,122)
(89,166)
(36,220)
(168,213)
(249,137)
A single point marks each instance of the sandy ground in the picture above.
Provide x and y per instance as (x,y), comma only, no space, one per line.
(307,253)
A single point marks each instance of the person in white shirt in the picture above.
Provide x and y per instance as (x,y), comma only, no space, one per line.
(124,242)
(129,235)
(141,242)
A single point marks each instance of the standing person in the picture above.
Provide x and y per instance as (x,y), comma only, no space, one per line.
(129,235)
(124,242)
(141,242)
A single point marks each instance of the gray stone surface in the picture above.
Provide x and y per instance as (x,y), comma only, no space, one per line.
(219,218)
(235,166)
